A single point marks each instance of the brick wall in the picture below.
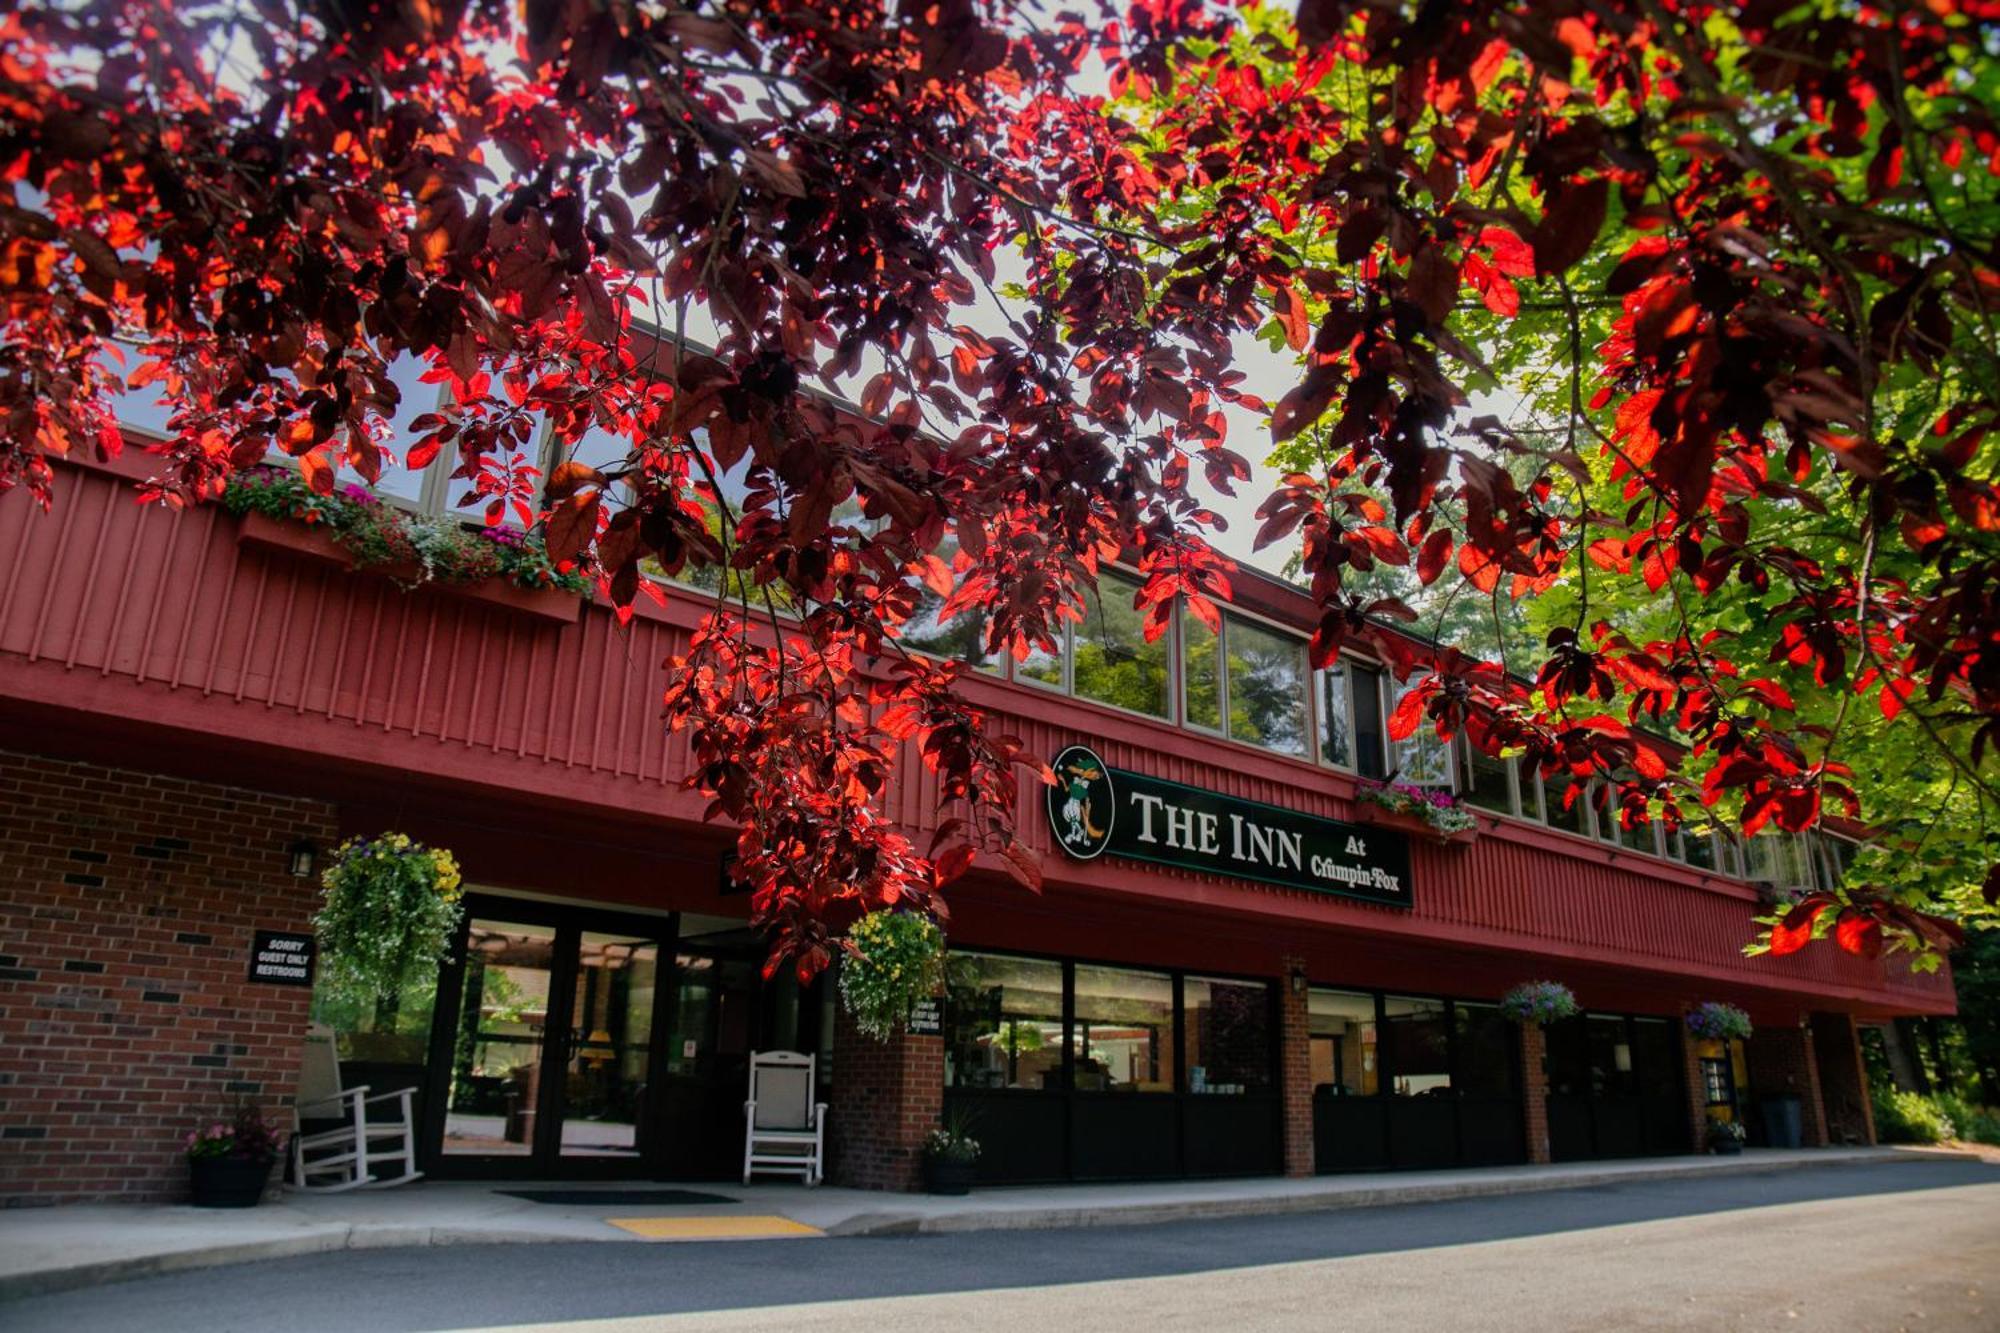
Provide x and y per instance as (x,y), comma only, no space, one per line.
(1780,1060)
(1295,1068)
(887,1096)
(127,904)
(1535,1091)
(1843,1079)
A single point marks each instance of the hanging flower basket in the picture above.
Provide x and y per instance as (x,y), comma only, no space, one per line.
(894,963)
(1426,812)
(1714,1021)
(1539,1002)
(392,906)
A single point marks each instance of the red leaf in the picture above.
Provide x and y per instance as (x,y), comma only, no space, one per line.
(875,397)
(1023,865)
(1409,713)
(1431,559)
(1795,931)
(317,472)
(1858,934)
(1501,298)
(1205,611)
(570,525)
(954,863)
(1570,225)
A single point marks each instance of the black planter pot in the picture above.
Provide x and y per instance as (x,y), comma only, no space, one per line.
(946,1177)
(1725,1147)
(227,1182)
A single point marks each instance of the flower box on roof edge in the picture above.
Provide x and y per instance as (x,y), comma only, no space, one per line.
(1368,812)
(260,532)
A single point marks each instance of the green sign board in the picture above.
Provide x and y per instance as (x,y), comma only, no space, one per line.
(1096,810)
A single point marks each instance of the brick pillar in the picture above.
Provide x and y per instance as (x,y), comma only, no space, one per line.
(1295,1068)
(1781,1061)
(128,904)
(887,1095)
(1535,1091)
(1697,1090)
(1843,1079)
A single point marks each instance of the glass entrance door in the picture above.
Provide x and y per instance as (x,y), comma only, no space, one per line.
(545,1065)
(608,1051)
(493,1103)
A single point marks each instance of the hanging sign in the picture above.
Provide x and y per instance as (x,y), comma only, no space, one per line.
(1095,810)
(282,958)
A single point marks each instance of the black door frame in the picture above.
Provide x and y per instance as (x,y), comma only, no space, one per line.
(544,1160)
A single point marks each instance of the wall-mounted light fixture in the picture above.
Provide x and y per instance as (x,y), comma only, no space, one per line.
(1298,981)
(301,857)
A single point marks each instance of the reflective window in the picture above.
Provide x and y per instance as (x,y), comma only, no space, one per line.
(1113,662)
(1836,855)
(1487,1041)
(1416,1047)
(1609,1046)
(1267,687)
(1566,804)
(1781,859)
(1201,674)
(1421,758)
(1123,1040)
(1340,1028)
(1043,666)
(1698,846)
(1335,730)
(1656,1057)
(1226,1039)
(1370,736)
(1002,1022)
(1483,780)
(962,638)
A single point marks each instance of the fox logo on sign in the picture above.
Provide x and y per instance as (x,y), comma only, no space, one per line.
(1080,804)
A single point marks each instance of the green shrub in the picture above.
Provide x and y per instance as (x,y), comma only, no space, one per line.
(1908,1117)
(1975,1124)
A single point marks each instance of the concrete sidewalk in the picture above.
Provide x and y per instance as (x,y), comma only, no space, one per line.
(55,1249)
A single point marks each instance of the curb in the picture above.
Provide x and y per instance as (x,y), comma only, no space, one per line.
(1149,1213)
(372,1236)
(341,1236)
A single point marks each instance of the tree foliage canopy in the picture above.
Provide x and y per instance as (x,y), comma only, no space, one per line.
(1679,315)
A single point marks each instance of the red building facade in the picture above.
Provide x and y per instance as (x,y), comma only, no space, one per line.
(186,697)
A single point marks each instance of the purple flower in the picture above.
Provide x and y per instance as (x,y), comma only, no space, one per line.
(358,493)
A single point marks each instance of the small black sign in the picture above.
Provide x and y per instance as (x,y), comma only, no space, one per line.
(926,1020)
(1094,808)
(282,958)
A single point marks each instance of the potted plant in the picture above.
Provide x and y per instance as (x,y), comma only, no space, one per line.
(1714,1021)
(391,908)
(354,527)
(1539,1002)
(1725,1137)
(950,1156)
(230,1161)
(894,962)
(1427,811)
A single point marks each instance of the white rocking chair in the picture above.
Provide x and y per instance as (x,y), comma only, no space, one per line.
(346,1158)
(784,1130)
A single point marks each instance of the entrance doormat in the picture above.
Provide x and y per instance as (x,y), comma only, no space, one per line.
(620,1198)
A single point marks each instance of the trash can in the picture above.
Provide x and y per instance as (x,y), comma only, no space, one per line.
(1783,1122)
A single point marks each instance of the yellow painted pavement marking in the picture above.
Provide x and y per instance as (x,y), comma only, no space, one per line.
(713,1228)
